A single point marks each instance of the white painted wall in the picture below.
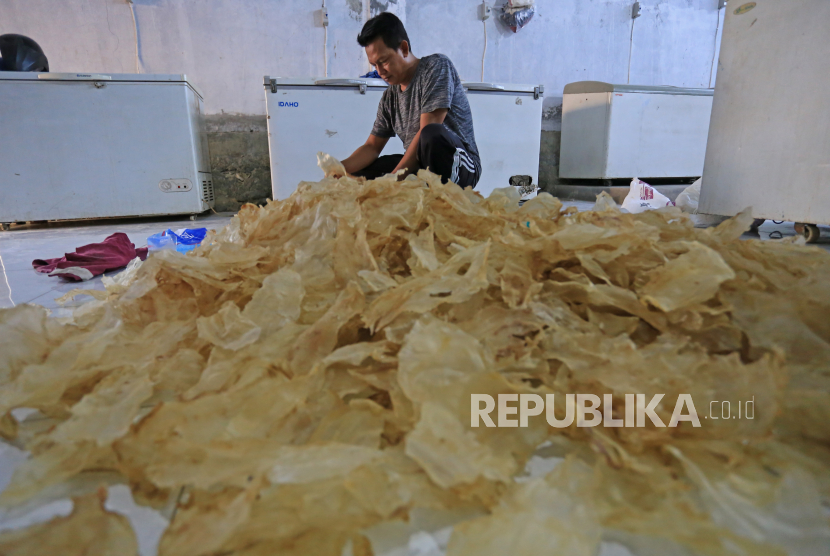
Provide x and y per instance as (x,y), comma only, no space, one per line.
(227,46)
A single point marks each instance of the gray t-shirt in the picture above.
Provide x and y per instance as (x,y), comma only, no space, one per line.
(435,85)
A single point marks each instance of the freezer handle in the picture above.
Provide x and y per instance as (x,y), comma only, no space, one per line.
(75,76)
(484,86)
(270,83)
(343,82)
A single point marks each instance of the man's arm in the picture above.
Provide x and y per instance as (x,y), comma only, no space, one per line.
(365,154)
(410,159)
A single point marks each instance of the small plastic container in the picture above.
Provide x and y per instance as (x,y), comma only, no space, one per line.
(182,240)
(182,248)
(160,241)
(188,236)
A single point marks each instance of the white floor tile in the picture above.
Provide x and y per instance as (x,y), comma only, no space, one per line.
(20,283)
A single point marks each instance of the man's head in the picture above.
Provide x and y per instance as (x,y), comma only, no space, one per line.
(387,47)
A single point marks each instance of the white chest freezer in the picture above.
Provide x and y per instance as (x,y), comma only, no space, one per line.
(335,116)
(769,144)
(626,131)
(93,146)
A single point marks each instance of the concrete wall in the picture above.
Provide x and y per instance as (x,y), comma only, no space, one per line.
(227,46)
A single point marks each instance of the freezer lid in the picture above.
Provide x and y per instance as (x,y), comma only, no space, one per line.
(109,77)
(506,87)
(272,82)
(581,87)
(277,82)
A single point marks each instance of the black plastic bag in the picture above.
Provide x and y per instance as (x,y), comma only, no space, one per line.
(518,16)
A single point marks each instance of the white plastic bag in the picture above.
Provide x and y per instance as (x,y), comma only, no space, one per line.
(689,200)
(643,197)
(525,186)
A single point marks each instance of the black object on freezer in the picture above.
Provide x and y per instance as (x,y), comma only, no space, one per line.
(19,53)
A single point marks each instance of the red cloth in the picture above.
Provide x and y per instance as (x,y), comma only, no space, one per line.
(91,260)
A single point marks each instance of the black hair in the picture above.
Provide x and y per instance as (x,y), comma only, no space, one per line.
(386,26)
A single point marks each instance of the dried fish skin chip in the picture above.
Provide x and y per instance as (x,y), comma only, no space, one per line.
(330,165)
(106,413)
(444,285)
(693,277)
(218,463)
(352,254)
(669,518)
(277,302)
(237,257)
(320,339)
(118,283)
(435,355)
(394,486)
(451,455)
(284,513)
(72,294)
(355,354)
(75,361)
(376,281)
(322,542)
(731,229)
(402,208)
(784,511)
(27,336)
(176,374)
(217,439)
(303,464)
(206,522)
(228,329)
(611,324)
(360,423)
(89,529)
(579,235)
(52,465)
(510,337)
(547,516)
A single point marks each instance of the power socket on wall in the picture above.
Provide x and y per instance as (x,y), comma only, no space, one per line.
(484,11)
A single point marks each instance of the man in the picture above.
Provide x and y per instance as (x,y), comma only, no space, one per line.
(425,105)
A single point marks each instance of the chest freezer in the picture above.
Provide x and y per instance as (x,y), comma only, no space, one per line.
(626,131)
(507,119)
(769,143)
(93,146)
(335,116)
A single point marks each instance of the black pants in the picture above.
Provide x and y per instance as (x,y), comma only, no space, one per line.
(440,151)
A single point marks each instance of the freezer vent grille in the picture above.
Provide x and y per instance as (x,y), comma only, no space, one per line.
(207,191)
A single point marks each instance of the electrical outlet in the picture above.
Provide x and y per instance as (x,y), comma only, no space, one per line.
(721,4)
(484,11)
(322,17)
(635,10)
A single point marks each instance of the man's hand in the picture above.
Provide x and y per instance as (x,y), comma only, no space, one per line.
(365,154)
(410,159)
(338,174)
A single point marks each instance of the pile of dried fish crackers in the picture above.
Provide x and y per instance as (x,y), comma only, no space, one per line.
(301,384)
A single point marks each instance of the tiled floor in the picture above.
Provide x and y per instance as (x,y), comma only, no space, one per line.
(19,283)
(771,231)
